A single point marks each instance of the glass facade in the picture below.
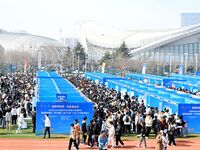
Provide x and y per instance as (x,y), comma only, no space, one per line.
(188,19)
(184,53)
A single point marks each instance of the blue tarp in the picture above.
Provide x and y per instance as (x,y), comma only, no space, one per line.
(51,83)
(157,96)
(62,114)
(100,77)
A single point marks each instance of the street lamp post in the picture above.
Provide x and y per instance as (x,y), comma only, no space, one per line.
(186,57)
(78,61)
(196,62)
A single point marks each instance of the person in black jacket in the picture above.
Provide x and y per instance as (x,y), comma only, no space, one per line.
(156,125)
(90,129)
(34,121)
(84,130)
(96,131)
(1,117)
(171,133)
(118,134)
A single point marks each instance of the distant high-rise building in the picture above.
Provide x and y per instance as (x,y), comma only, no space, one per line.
(188,19)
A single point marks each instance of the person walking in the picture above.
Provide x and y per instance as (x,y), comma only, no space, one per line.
(111,134)
(84,130)
(47,126)
(171,134)
(118,133)
(158,145)
(78,129)
(148,124)
(1,117)
(156,126)
(143,136)
(102,141)
(138,122)
(34,121)
(14,115)
(127,123)
(164,141)
(20,122)
(90,133)
(73,137)
(8,118)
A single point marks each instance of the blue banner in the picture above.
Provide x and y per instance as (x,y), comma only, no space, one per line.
(191,113)
(61,114)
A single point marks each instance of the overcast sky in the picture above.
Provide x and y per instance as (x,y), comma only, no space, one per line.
(46,17)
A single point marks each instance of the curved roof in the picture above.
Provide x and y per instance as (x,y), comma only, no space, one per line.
(22,41)
(135,39)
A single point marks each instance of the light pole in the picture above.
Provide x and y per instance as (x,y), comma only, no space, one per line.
(186,57)
(196,61)
(170,63)
(78,60)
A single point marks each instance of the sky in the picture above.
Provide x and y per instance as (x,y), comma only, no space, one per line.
(47,17)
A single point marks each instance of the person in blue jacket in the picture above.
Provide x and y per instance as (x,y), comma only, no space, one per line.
(103,141)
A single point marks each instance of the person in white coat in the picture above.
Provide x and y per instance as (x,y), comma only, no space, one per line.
(164,141)
(20,122)
(47,125)
(8,118)
(111,134)
(148,124)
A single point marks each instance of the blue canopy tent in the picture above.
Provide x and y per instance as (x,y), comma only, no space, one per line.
(60,99)
(100,77)
(157,96)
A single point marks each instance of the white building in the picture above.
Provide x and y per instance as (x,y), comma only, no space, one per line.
(12,44)
(180,46)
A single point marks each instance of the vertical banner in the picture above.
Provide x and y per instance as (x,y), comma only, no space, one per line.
(103,67)
(144,68)
(181,67)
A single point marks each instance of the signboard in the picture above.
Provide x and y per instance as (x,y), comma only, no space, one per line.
(191,114)
(144,68)
(61,97)
(62,114)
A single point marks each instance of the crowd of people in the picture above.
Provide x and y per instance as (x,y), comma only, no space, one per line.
(173,87)
(16,94)
(118,114)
